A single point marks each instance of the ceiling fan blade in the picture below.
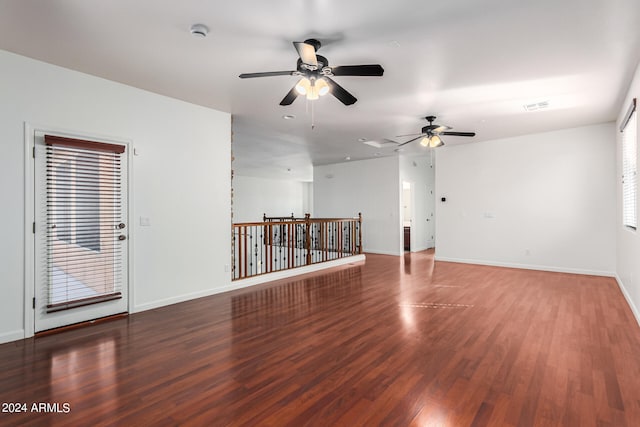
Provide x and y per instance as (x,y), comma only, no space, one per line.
(307,53)
(267,74)
(458,133)
(440,129)
(411,140)
(358,70)
(411,134)
(289,97)
(341,93)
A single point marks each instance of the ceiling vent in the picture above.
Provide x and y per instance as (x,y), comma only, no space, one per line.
(537,106)
(381,144)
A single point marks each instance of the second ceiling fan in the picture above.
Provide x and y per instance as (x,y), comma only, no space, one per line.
(316,74)
(431,134)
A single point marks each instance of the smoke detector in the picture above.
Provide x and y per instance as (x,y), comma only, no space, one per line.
(199,30)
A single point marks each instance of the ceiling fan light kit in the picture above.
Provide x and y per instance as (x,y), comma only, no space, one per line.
(431,141)
(313,88)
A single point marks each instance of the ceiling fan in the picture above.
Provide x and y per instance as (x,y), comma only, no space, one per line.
(316,74)
(431,134)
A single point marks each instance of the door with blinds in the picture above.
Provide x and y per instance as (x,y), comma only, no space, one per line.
(81,231)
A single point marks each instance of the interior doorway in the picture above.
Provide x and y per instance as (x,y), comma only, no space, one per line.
(407,214)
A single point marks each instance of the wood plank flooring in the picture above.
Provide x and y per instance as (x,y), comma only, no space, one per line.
(396,341)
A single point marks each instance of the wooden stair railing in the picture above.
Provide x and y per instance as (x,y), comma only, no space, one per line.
(281,243)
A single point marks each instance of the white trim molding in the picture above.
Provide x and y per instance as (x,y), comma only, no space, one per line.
(528,266)
(12,336)
(382,252)
(626,295)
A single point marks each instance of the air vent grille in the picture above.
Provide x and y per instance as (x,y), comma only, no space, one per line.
(537,106)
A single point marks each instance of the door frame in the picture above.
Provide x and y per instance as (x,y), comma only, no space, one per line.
(431,214)
(412,210)
(29,213)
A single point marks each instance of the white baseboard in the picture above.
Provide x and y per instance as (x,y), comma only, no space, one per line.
(382,252)
(529,266)
(251,281)
(633,307)
(176,299)
(12,336)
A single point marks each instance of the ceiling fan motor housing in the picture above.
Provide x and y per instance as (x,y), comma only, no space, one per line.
(427,129)
(430,127)
(304,68)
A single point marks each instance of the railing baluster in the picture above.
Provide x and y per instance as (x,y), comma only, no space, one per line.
(339,225)
(307,238)
(269,248)
(359,232)
(290,244)
(241,252)
(323,228)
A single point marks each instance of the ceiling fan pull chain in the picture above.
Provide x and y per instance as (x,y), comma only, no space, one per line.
(313,124)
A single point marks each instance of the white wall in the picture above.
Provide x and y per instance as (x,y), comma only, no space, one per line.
(543,201)
(372,187)
(419,171)
(253,197)
(628,241)
(180,180)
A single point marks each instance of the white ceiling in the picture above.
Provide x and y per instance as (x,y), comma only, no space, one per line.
(472,63)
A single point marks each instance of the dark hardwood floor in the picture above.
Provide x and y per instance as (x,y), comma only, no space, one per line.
(392,342)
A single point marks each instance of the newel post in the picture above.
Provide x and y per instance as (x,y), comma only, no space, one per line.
(307,238)
(359,232)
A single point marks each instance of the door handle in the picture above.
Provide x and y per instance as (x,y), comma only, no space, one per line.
(122,237)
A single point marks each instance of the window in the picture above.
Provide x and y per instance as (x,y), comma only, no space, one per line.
(629,168)
(62,192)
(75,199)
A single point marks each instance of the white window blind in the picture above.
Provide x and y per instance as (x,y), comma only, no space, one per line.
(629,168)
(84,211)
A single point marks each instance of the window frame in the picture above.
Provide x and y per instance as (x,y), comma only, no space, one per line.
(629,130)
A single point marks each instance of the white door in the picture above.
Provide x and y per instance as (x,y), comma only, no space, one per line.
(81,230)
(431,219)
